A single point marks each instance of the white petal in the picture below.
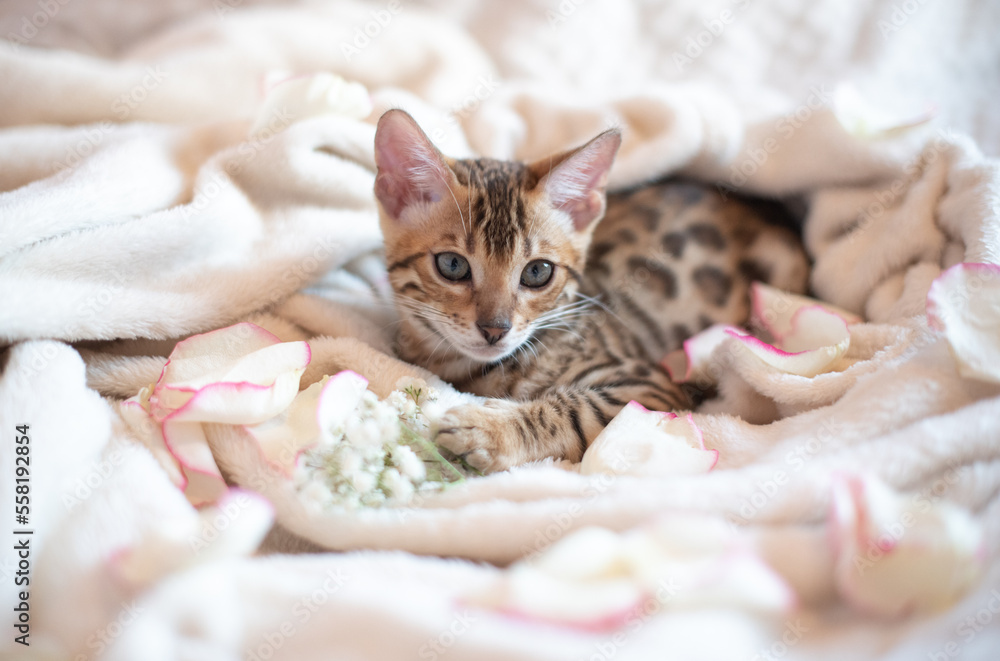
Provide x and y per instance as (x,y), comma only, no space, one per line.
(899,554)
(964,303)
(693,362)
(814,339)
(648,443)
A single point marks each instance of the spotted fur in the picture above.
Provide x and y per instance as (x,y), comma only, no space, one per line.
(666,261)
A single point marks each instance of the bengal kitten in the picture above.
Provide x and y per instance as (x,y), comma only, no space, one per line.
(509,287)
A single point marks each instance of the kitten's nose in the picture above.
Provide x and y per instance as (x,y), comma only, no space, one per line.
(494,330)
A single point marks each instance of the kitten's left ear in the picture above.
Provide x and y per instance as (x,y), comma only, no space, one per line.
(574,182)
(411,170)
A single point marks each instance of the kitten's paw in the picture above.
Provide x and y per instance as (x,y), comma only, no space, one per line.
(481,434)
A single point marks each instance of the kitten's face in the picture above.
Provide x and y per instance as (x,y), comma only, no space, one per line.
(482,253)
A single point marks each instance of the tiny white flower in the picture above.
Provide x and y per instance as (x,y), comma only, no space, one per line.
(363,482)
(409,464)
(315,495)
(409,408)
(363,433)
(373,498)
(433,411)
(389,431)
(350,461)
(395,485)
(398,400)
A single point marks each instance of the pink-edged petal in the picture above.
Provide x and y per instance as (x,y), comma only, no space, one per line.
(204,358)
(202,488)
(581,581)
(150,434)
(240,403)
(243,369)
(815,327)
(900,554)
(693,361)
(590,553)
(739,579)
(187,443)
(594,579)
(815,338)
(698,562)
(774,310)
(964,303)
(319,409)
(528,593)
(648,443)
(297,428)
(241,374)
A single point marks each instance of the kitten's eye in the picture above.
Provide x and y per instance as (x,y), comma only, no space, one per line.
(536,274)
(452,266)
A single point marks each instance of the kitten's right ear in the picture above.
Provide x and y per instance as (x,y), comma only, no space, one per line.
(410,168)
(575,180)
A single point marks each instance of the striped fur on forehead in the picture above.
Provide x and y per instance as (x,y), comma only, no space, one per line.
(497,203)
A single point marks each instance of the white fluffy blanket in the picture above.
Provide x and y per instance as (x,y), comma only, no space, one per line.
(137,208)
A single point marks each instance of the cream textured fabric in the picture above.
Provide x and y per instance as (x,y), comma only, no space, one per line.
(136,208)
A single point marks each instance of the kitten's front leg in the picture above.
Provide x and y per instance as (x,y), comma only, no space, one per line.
(488,435)
(502,433)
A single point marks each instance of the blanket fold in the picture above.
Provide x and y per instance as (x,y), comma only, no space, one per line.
(156,194)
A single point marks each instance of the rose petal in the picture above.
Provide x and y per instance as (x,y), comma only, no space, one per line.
(964,303)
(739,579)
(241,374)
(705,565)
(589,553)
(895,554)
(150,434)
(775,310)
(284,436)
(648,443)
(692,363)
(815,338)
(241,403)
(260,372)
(596,579)
(205,358)
(535,595)
(187,443)
(320,408)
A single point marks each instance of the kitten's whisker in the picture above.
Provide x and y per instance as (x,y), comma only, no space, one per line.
(420,308)
(571,306)
(569,316)
(470,209)
(436,347)
(457,205)
(599,304)
(560,313)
